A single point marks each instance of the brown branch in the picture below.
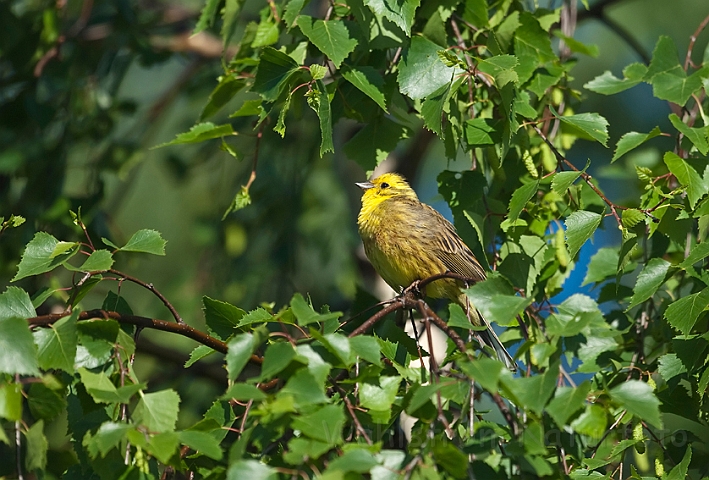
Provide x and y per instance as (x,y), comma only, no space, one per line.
(155,291)
(143,322)
(693,40)
(587,178)
(396,305)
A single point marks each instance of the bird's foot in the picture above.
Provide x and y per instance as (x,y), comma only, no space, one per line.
(415,290)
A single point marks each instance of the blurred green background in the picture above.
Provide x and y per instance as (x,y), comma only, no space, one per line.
(88,89)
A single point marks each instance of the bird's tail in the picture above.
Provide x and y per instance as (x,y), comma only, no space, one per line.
(489,338)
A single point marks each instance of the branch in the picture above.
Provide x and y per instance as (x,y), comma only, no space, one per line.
(692,41)
(152,288)
(587,178)
(143,322)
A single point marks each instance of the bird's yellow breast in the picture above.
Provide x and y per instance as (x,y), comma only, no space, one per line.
(396,244)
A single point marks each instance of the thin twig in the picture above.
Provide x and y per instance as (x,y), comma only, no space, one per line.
(155,291)
(693,40)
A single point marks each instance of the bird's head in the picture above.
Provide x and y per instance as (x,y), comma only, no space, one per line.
(385,186)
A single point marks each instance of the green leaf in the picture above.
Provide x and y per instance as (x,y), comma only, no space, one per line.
(251,469)
(241,200)
(107,437)
(379,397)
(56,345)
(638,398)
(561,181)
(266,33)
(62,248)
(305,388)
(338,345)
(532,46)
(145,241)
(687,176)
(567,401)
(259,315)
(372,144)
(102,389)
(603,264)
(163,446)
(11,401)
(608,84)
(37,446)
(675,86)
(274,72)
(158,411)
(532,393)
(18,354)
(202,442)
(222,318)
(369,81)
(421,396)
(98,261)
(276,358)
(200,133)
(679,471)
(632,140)
(484,371)
(479,132)
(592,422)
(358,460)
(495,306)
(198,354)
(206,17)
(305,314)
(230,14)
(670,365)
(15,302)
(400,12)
(573,315)
(422,72)
(684,312)
(96,342)
(46,403)
(244,392)
(519,199)
(631,217)
(38,256)
(453,461)
(649,280)
(698,136)
(433,107)
(501,68)
(580,226)
(319,101)
(699,252)
(228,86)
(241,347)
(664,58)
(367,348)
(324,424)
(331,37)
(591,124)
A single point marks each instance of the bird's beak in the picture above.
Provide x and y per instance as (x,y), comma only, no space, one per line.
(365,185)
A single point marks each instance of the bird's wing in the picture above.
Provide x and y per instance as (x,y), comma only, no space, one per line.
(451,250)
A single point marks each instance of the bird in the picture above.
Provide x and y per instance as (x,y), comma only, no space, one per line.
(407,241)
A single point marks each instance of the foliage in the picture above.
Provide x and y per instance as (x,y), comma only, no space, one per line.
(611,386)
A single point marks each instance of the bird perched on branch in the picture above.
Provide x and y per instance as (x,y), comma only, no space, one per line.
(408,241)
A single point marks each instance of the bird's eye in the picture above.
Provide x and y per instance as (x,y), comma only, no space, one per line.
(385,185)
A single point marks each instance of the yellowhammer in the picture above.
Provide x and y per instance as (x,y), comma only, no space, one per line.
(407,240)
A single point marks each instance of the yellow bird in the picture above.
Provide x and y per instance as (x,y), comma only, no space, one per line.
(407,240)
